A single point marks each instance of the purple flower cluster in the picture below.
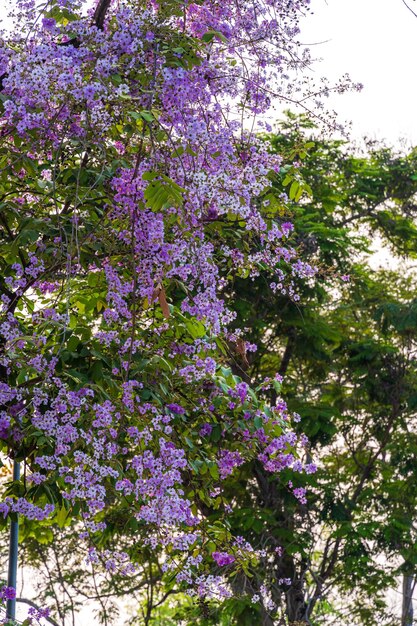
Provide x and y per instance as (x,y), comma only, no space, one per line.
(228,460)
(223,558)
(25,508)
(35,615)
(119,394)
(7,593)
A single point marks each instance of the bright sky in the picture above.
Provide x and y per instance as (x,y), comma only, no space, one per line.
(375,41)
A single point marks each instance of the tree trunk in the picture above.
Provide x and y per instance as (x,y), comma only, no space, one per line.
(296,606)
(407,608)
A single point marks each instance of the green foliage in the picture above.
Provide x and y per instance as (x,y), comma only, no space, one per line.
(346,350)
(351,343)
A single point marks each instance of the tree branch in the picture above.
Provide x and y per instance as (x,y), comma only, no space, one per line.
(35,606)
(100,13)
(409,8)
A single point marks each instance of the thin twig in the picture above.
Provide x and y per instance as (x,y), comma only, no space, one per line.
(409,8)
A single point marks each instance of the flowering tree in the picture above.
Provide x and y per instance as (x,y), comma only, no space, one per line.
(133,191)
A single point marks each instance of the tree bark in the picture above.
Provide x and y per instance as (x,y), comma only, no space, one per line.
(407,606)
(296,605)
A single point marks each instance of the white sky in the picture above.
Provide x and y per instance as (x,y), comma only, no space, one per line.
(375,41)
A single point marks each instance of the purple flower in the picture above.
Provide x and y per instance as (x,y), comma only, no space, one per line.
(228,460)
(205,430)
(300,494)
(8,593)
(38,614)
(49,23)
(176,408)
(223,558)
(286,228)
(4,426)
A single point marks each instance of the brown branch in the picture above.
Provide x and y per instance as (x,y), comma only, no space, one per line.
(35,606)
(100,13)
(289,349)
(44,559)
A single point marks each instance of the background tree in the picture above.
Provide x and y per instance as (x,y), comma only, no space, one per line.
(352,346)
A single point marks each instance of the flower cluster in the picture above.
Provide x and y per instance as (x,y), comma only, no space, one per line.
(137,197)
(7,593)
(223,558)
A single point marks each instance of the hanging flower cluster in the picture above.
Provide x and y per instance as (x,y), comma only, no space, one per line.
(133,192)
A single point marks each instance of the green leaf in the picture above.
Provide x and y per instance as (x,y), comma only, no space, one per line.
(258,422)
(62,516)
(212,34)
(295,186)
